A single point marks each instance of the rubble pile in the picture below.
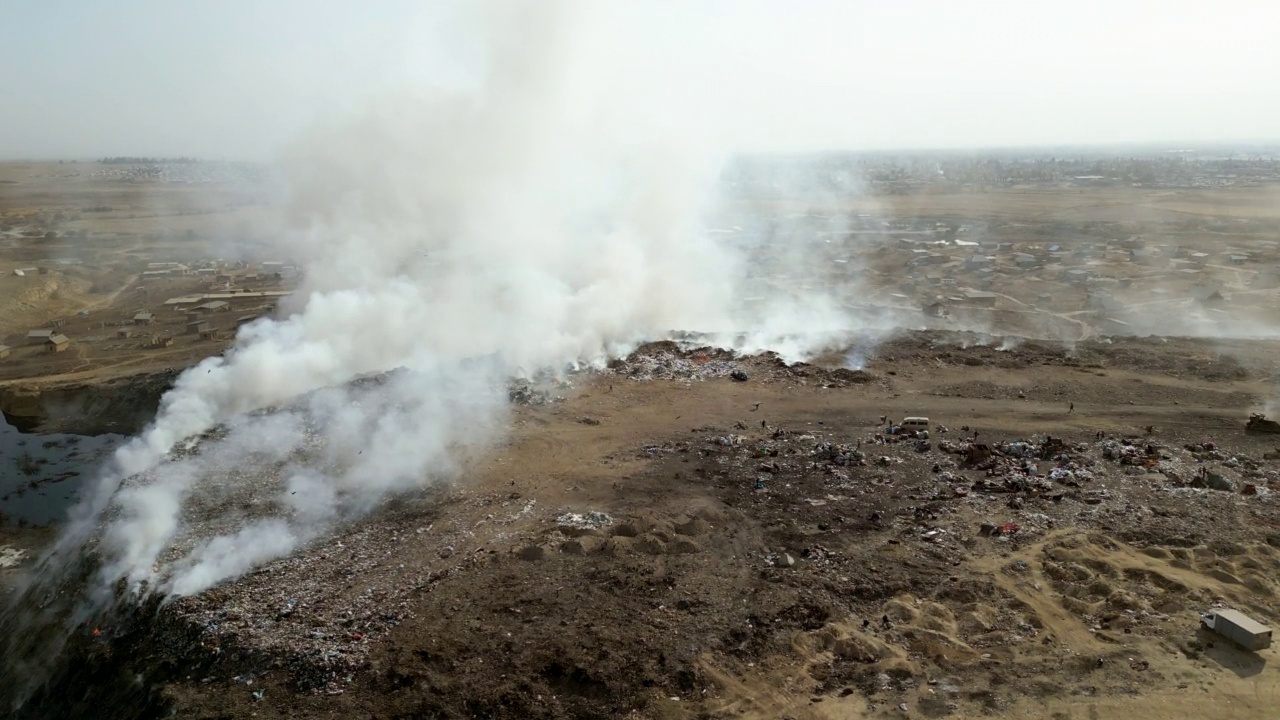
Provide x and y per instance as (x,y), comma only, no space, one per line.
(1026,485)
(592,520)
(317,612)
(673,365)
(523,393)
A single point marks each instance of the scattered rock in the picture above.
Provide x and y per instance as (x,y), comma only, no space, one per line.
(684,547)
(581,546)
(693,528)
(532,553)
(651,545)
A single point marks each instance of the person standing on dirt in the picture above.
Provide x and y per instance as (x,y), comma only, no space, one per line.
(1071,408)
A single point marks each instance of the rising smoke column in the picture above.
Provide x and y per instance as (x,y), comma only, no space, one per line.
(439,227)
(452,238)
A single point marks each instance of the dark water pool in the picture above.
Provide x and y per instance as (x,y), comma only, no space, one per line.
(41,475)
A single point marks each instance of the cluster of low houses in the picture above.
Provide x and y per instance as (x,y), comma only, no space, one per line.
(197,323)
(217,272)
(1029,257)
(985,265)
(52,340)
(55,341)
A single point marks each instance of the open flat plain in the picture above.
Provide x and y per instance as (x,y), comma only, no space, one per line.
(659,540)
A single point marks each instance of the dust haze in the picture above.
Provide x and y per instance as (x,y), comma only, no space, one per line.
(528,191)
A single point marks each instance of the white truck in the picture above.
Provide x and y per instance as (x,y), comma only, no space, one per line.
(1238,627)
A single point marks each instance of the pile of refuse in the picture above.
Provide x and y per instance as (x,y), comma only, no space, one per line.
(838,454)
(318,612)
(1126,452)
(674,365)
(592,520)
(523,393)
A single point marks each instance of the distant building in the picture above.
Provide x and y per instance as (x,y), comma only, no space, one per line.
(1237,259)
(981,299)
(1025,261)
(935,309)
(57,323)
(214,306)
(143,318)
(57,343)
(195,328)
(928,258)
(975,262)
(1077,275)
(124,333)
(37,337)
(1133,242)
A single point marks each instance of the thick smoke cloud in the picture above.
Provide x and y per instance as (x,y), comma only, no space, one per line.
(456,238)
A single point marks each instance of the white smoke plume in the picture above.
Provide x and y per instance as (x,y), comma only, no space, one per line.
(462,235)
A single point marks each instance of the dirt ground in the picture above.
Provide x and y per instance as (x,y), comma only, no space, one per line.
(82,239)
(764,557)
(676,544)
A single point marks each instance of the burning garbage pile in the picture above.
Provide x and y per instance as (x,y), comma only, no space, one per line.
(317,613)
(666,361)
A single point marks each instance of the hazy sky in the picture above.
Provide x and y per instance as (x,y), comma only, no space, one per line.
(238,78)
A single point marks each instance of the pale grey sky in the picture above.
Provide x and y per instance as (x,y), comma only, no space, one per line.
(239,78)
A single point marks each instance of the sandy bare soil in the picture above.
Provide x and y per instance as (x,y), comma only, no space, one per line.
(663,541)
(776,560)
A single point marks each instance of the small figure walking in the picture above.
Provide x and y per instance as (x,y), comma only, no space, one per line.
(1071,409)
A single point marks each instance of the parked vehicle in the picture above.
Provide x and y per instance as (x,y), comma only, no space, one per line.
(1258,423)
(1239,628)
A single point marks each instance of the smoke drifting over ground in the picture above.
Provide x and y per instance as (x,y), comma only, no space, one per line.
(457,237)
